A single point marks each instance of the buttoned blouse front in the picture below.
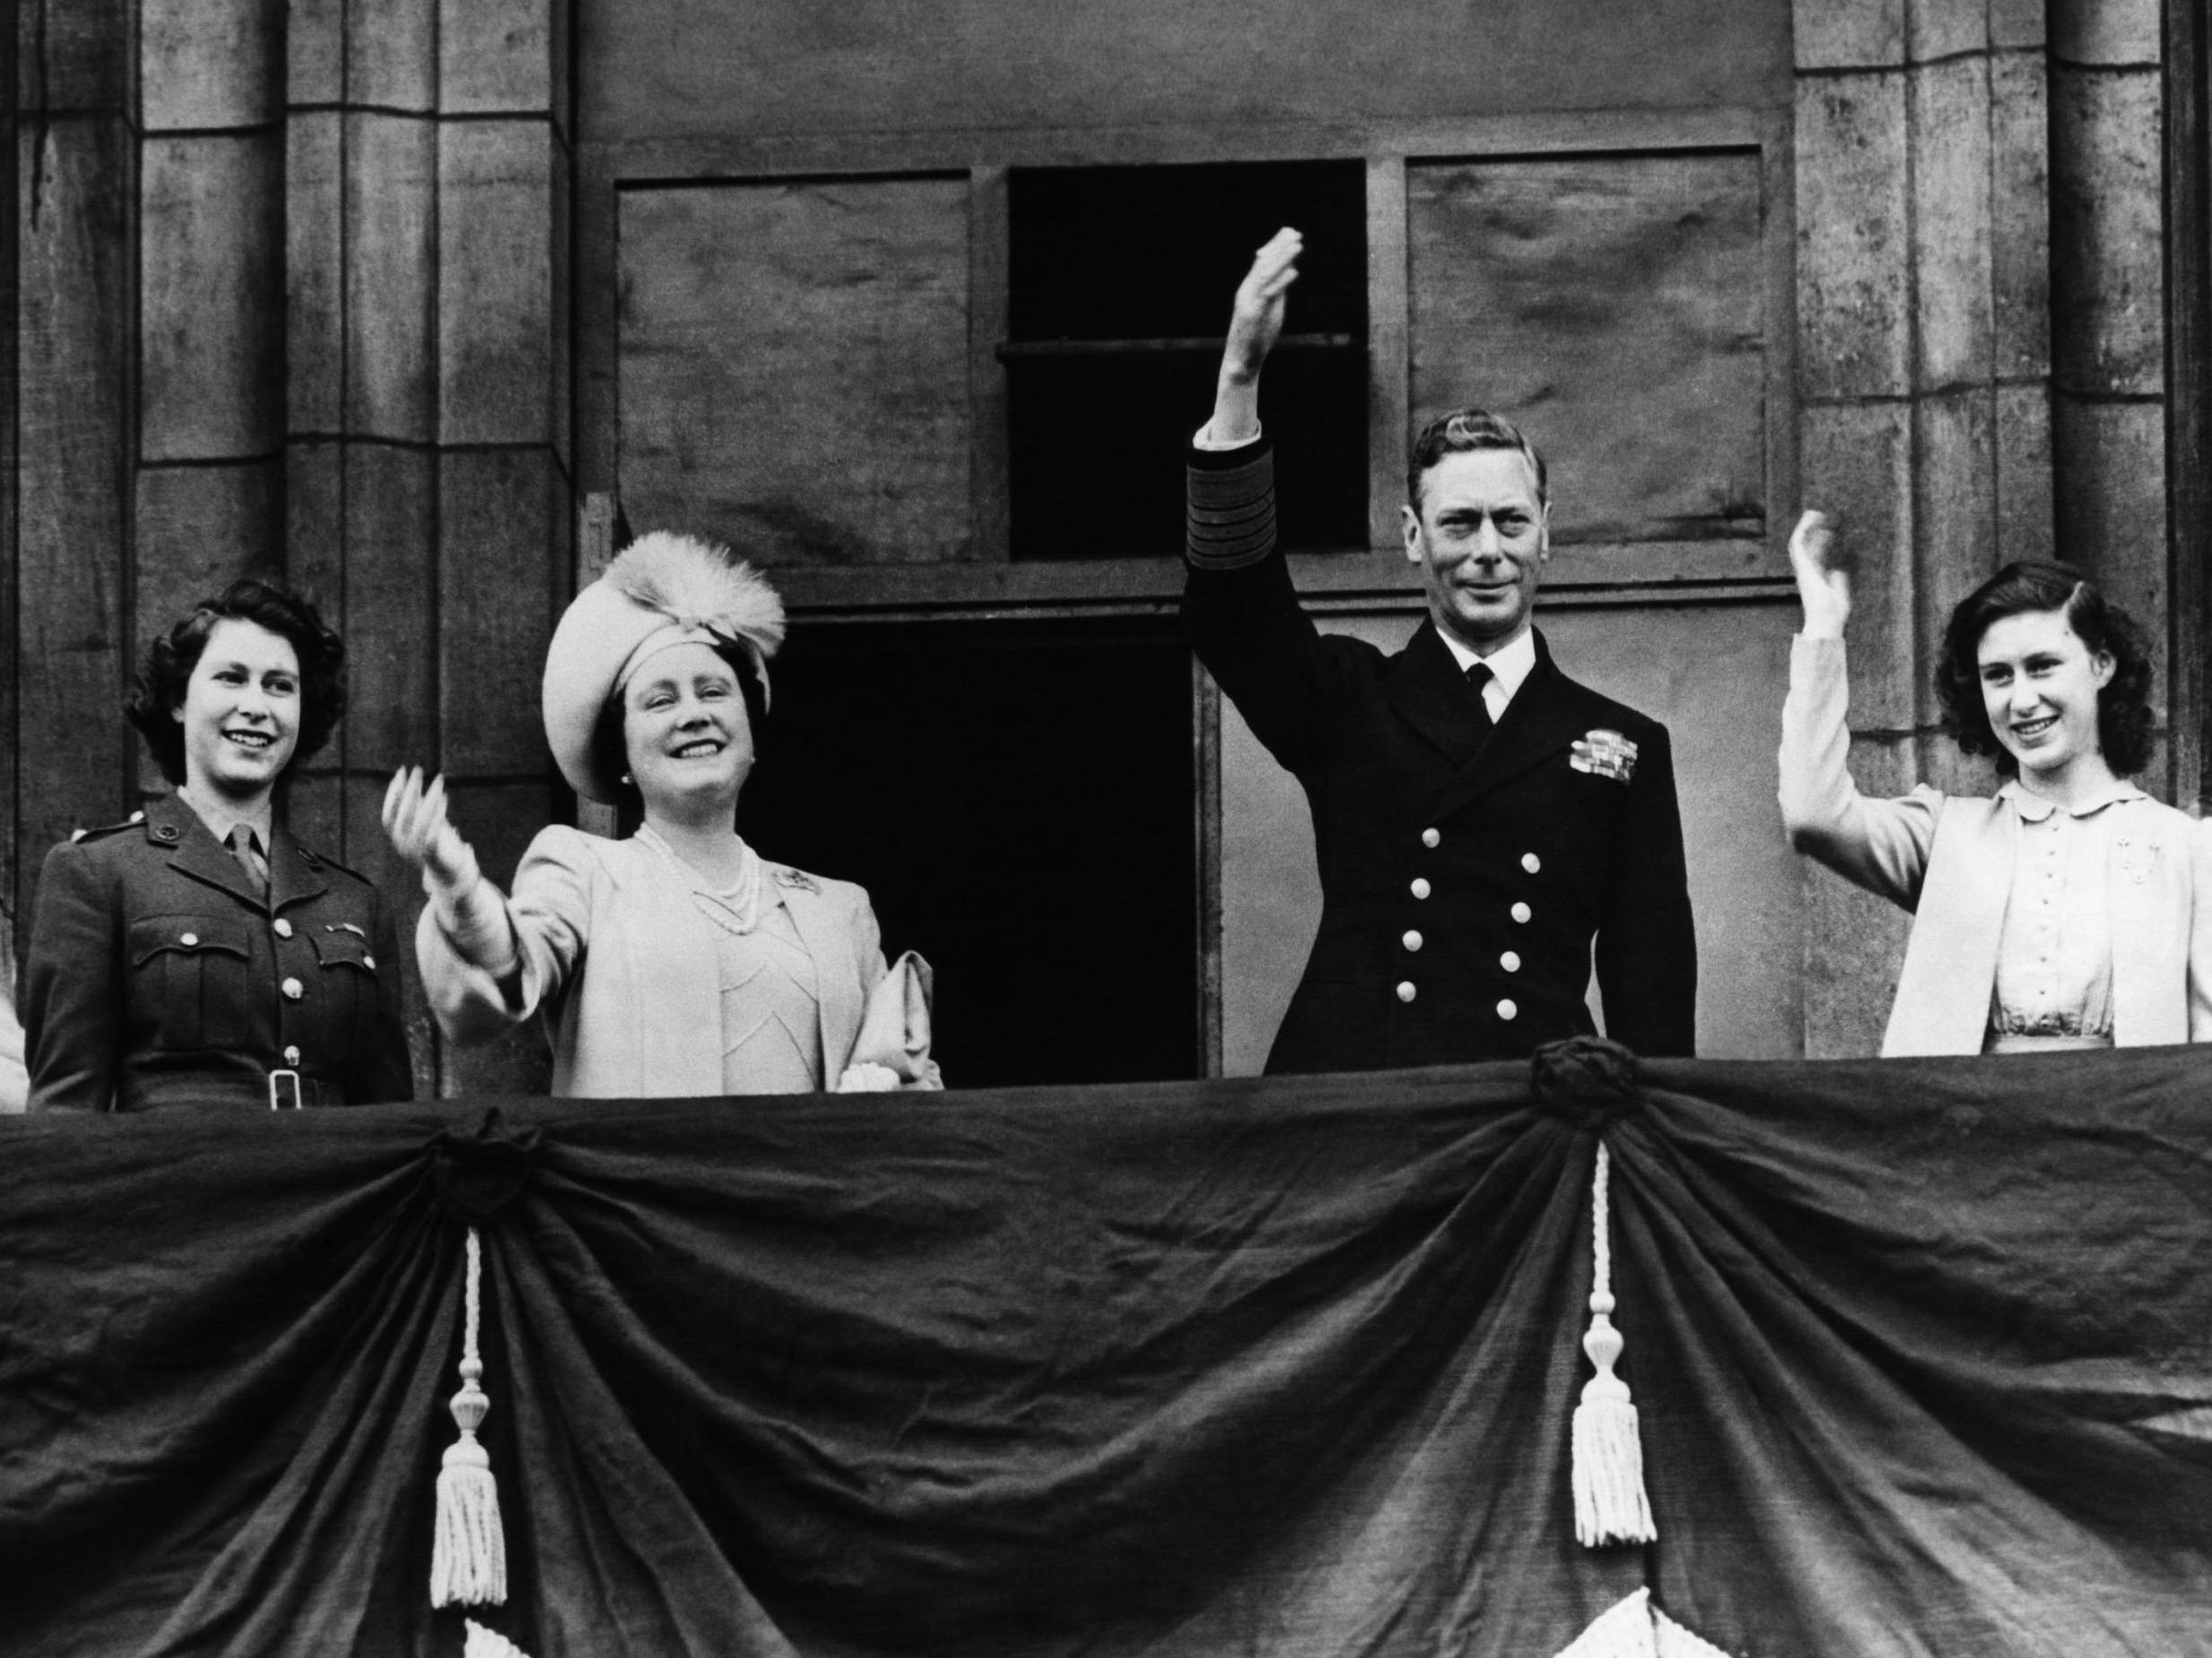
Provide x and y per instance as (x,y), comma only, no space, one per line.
(2054,956)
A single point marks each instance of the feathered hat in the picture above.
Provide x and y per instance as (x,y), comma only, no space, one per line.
(661,590)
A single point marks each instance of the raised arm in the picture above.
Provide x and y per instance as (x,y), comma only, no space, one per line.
(1255,324)
(470,912)
(466,942)
(1239,608)
(1881,845)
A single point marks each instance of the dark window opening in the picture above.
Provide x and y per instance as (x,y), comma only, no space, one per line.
(1018,799)
(1121,280)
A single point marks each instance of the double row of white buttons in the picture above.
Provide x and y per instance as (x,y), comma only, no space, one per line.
(1508,1008)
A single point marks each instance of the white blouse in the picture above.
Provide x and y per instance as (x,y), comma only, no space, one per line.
(2054,956)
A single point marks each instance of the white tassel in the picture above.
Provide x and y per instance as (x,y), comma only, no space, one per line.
(1609,1501)
(483,1643)
(469,1559)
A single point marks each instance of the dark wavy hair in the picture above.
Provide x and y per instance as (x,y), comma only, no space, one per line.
(163,671)
(2123,717)
(1462,431)
(610,756)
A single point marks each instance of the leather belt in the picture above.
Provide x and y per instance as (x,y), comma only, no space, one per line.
(290,1091)
(284,1089)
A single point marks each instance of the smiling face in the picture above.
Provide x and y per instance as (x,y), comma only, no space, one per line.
(240,713)
(2039,687)
(1480,538)
(686,734)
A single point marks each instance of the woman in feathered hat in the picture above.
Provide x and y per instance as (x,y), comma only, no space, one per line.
(678,961)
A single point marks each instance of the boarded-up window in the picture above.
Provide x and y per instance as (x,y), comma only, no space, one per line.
(794,363)
(1614,307)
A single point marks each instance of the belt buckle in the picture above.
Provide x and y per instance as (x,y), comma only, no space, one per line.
(282,1081)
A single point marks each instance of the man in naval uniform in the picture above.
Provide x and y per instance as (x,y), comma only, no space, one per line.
(1478,817)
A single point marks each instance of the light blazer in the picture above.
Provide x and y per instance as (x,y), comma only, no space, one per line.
(621,963)
(1950,858)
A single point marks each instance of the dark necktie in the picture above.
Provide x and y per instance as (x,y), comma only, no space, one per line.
(1478,676)
(247,850)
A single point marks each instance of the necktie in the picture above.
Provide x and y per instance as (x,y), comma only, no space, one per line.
(247,850)
(1478,676)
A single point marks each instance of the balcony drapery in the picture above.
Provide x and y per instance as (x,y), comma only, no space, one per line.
(1921,1350)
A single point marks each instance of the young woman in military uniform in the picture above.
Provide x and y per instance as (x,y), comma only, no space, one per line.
(198,954)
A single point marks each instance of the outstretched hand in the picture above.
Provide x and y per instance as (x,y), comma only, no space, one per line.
(1823,584)
(416,823)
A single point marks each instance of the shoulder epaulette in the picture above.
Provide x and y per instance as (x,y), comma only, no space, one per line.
(323,860)
(106,829)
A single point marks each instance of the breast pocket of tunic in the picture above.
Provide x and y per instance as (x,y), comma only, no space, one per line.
(345,984)
(189,981)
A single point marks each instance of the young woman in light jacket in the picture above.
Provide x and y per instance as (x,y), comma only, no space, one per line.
(2071,910)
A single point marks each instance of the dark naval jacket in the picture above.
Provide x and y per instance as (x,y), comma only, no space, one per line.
(157,976)
(1463,881)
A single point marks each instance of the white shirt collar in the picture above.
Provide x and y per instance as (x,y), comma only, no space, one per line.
(2036,808)
(1508,665)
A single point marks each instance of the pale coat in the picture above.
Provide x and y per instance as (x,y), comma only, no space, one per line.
(1949,860)
(620,965)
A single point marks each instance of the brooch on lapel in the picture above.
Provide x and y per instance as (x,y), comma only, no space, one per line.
(1604,754)
(2137,859)
(797,877)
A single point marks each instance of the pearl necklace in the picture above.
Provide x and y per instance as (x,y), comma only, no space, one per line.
(736,907)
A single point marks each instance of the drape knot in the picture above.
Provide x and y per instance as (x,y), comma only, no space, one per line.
(1587,1078)
(475,1172)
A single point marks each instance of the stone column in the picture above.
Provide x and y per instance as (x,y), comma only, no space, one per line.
(2107,310)
(2187,52)
(361,138)
(211,320)
(505,501)
(428,251)
(74,429)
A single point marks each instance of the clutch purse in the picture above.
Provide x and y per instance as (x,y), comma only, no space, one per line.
(894,1031)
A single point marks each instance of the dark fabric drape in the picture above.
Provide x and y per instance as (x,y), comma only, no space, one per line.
(1922,1352)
